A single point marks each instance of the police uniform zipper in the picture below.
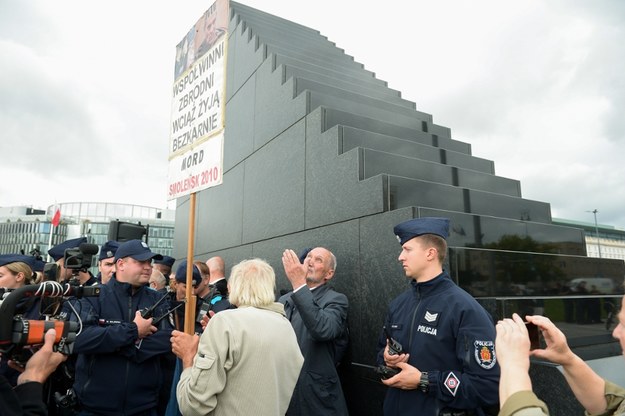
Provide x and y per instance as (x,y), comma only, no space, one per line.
(414,316)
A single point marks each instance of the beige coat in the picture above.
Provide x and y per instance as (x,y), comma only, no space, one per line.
(524,403)
(247,363)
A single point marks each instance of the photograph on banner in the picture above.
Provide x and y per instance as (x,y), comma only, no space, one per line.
(197,169)
(202,36)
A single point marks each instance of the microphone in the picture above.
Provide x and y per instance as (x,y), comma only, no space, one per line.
(89,249)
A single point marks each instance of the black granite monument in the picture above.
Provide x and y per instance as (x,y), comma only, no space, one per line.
(319,152)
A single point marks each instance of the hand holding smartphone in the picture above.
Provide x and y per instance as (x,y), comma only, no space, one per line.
(534,335)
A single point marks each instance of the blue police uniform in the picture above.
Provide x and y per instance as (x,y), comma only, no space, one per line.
(449,336)
(115,374)
(28,308)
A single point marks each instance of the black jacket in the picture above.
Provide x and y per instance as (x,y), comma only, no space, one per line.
(319,318)
(115,373)
(452,338)
(24,400)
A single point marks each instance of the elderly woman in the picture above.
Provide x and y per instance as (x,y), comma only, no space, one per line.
(248,360)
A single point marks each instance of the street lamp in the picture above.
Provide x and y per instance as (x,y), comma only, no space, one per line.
(594,211)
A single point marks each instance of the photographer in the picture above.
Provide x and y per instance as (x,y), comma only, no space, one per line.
(596,395)
(57,252)
(515,387)
(26,398)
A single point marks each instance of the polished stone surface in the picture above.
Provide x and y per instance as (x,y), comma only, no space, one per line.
(320,152)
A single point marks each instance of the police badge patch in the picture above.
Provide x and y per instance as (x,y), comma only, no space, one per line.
(452,383)
(485,354)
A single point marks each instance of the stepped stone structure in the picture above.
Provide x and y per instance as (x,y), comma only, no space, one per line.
(319,152)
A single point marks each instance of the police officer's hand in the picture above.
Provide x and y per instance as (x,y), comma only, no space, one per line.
(184,346)
(393,360)
(295,271)
(407,379)
(144,326)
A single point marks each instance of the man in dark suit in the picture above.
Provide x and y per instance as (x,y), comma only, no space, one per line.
(319,317)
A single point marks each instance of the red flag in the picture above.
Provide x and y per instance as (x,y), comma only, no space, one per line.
(57,218)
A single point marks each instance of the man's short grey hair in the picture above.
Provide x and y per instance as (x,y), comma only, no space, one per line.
(252,283)
(159,278)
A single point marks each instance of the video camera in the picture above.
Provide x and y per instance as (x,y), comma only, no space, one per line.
(79,259)
(17,332)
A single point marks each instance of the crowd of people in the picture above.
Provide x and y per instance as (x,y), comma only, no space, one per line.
(254,353)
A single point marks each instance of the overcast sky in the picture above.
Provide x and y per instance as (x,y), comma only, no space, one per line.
(535,86)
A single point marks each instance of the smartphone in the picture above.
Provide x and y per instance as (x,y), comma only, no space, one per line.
(534,335)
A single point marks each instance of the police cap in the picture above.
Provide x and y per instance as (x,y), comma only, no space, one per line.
(14,258)
(136,249)
(57,252)
(410,229)
(181,274)
(108,250)
(166,260)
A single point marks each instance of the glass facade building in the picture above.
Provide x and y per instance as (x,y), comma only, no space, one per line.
(603,241)
(24,230)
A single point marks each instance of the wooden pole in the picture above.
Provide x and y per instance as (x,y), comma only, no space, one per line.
(189,312)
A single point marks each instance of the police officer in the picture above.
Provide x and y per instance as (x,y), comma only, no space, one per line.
(16,272)
(164,265)
(118,370)
(436,334)
(106,261)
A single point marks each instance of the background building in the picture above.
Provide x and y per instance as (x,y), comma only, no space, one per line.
(27,230)
(604,241)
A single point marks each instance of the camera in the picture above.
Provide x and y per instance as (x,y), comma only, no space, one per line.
(209,302)
(67,403)
(79,259)
(17,332)
(533,334)
(51,272)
